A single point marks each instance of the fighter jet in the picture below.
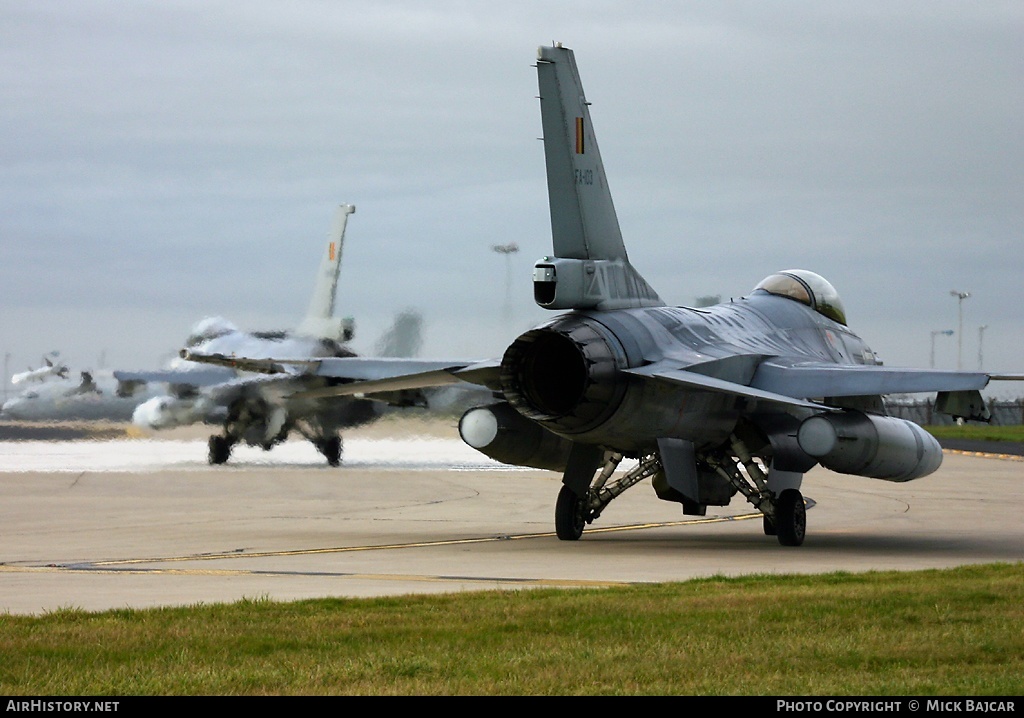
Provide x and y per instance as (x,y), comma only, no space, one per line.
(742,397)
(258,409)
(95,396)
(46,371)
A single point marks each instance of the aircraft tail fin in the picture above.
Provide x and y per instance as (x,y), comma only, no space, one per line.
(320,320)
(403,338)
(590,268)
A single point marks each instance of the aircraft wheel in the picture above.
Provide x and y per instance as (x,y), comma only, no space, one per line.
(791,518)
(220,449)
(331,449)
(570,516)
(769,527)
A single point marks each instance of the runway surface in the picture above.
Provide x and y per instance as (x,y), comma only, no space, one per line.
(141,523)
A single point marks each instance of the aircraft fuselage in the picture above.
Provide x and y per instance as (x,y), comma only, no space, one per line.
(570,373)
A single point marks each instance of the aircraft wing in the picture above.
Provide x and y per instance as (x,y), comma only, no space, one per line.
(194,377)
(368,375)
(255,366)
(775,381)
(796,384)
(808,380)
(363,375)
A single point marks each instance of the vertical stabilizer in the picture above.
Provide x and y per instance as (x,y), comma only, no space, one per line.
(320,320)
(590,268)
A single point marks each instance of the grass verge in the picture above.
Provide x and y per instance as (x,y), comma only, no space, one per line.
(978,432)
(937,632)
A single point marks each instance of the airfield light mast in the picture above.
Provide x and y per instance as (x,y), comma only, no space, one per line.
(508,250)
(936,332)
(981,339)
(960,296)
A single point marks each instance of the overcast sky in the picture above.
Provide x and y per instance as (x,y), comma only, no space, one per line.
(167,161)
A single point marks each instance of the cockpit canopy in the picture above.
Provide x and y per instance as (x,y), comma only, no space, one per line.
(209,328)
(806,287)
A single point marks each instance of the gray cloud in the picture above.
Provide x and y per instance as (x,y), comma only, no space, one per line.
(167,161)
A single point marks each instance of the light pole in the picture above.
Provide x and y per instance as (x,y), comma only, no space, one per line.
(508,250)
(981,339)
(960,296)
(935,332)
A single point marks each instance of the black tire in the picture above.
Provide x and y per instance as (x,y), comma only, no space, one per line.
(220,449)
(791,518)
(769,526)
(331,449)
(570,515)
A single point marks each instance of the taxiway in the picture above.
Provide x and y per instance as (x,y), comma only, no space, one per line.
(138,523)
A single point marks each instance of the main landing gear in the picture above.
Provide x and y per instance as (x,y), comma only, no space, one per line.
(571,515)
(790,524)
(784,513)
(573,512)
(330,447)
(220,448)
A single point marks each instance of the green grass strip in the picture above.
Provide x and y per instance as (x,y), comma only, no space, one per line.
(937,632)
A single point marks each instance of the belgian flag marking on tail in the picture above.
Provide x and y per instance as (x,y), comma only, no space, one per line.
(579,135)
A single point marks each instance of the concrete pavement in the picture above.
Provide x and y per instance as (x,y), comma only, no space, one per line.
(175,536)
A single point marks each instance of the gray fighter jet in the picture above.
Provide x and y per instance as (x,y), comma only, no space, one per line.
(253,408)
(95,396)
(743,397)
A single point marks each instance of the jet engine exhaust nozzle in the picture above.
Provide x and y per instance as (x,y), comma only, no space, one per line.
(564,374)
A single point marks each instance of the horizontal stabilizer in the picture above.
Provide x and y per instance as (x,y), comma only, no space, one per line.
(700,382)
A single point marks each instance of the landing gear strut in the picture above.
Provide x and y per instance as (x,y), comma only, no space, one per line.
(573,512)
(785,515)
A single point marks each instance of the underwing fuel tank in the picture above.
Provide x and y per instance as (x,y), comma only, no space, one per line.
(165,412)
(500,432)
(879,447)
